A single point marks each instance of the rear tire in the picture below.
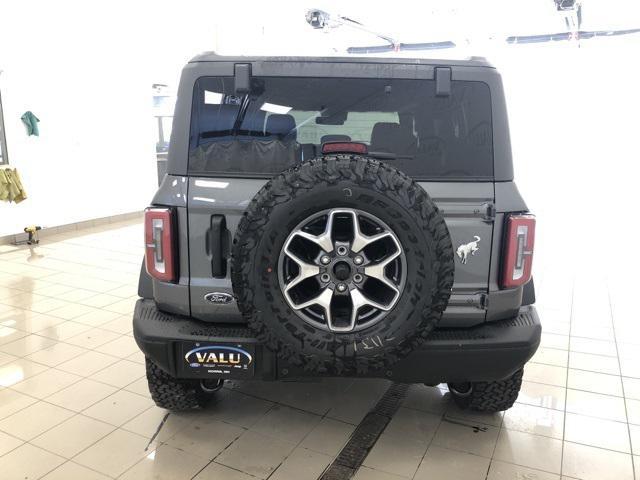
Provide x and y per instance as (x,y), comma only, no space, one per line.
(489,397)
(175,394)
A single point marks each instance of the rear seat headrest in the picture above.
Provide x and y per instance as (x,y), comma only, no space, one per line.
(391,137)
(281,125)
(217,118)
(254,122)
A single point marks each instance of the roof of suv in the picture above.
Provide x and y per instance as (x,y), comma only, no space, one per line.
(469,62)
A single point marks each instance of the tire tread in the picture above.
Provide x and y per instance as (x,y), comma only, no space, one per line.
(171,393)
(492,397)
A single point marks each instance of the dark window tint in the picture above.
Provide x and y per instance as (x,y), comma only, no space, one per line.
(285,120)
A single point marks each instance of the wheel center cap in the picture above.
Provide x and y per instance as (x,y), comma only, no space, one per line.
(342,270)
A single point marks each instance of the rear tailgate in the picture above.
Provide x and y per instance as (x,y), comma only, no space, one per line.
(215,206)
(468,209)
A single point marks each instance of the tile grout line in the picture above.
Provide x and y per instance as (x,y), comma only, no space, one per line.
(75,413)
(74,303)
(624,397)
(53,272)
(577,389)
(82,377)
(164,443)
(245,429)
(248,429)
(115,428)
(566,385)
(88,377)
(322,417)
(65,342)
(435,432)
(495,446)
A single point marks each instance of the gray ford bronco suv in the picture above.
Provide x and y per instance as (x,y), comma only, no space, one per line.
(338,217)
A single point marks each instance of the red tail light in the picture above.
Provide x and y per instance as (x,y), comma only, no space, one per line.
(159,241)
(518,250)
(344,147)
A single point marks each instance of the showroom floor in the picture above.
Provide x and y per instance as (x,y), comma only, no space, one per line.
(74,402)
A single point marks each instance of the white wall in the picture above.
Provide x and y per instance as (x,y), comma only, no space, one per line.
(85,69)
(574,128)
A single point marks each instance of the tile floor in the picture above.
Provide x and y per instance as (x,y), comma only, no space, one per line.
(74,402)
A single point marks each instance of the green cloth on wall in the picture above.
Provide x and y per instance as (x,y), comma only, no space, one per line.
(31,122)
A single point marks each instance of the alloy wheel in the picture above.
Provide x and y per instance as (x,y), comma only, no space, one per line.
(342,270)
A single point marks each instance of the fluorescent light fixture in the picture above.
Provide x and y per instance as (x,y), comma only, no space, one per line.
(212,98)
(273,108)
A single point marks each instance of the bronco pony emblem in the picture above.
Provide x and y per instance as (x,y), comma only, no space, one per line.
(465,249)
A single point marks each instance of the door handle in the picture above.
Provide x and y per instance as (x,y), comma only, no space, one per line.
(216,243)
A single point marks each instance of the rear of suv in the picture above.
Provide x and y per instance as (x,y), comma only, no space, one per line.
(338,217)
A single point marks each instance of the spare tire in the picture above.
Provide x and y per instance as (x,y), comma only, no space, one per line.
(342,265)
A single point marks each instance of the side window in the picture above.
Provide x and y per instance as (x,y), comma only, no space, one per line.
(4,157)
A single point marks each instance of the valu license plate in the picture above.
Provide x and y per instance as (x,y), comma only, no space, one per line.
(202,359)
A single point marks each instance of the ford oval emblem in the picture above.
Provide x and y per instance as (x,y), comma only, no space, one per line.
(219,298)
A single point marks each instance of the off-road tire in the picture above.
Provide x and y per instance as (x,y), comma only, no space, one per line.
(342,181)
(491,397)
(175,394)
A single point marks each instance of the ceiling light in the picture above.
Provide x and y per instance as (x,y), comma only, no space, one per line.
(273,108)
(212,98)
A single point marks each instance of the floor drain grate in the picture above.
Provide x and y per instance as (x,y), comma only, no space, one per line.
(366,434)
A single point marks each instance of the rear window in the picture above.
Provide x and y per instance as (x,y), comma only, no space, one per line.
(285,120)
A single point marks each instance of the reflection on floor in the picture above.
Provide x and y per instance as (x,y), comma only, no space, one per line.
(74,402)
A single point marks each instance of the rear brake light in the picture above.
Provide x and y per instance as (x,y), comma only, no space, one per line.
(344,147)
(518,250)
(159,241)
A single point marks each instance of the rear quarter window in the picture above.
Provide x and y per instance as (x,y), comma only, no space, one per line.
(285,120)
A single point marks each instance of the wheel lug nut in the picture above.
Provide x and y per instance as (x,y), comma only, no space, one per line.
(357,278)
(325,259)
(358,260)
(342,250)
(341,287)
(325,277)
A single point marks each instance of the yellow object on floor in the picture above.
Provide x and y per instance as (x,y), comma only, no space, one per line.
(11,189)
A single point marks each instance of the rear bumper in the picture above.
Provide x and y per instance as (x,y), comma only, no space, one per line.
(492,351)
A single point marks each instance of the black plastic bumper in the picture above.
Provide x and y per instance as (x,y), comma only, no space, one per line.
(492,351)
